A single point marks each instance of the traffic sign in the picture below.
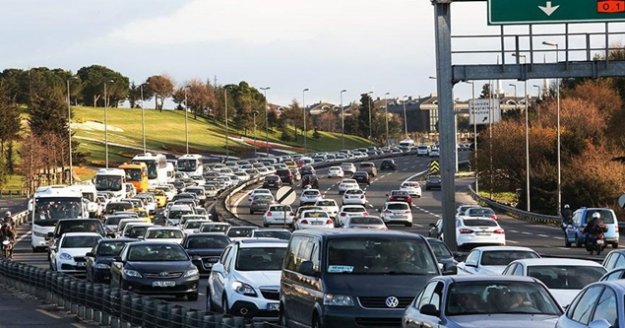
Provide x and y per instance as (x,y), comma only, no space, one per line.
(621,201)
(434,167)
(508,12)
(484,111)
(286,195)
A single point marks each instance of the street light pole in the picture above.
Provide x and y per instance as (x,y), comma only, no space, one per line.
(254,113)
(516,107)
(186,124)
(538,90)
(143,118)
(405,117)
(304,113)
(226,115)
(386,115)
(527,142)
(342,120)
(370,127)
(106,130)
(558,128)
(69,130)
(266,120)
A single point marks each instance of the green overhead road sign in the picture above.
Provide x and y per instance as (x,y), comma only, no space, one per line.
(508,12)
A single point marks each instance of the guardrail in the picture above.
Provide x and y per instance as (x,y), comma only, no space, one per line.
(515,212)
(105,305)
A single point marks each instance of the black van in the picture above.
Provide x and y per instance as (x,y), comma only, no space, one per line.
(352,278)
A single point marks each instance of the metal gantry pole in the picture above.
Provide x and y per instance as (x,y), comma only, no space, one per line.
(370,125)
(69,130)
(405,117)
(527,140)
(342,121)
(186,125)
(559,209)
(477,171)
(304,115)
(442,21)
(106,129)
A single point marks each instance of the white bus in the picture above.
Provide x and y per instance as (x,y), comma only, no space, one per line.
(49,205)
(157,168)
(111,180)
(89,195)
(191,164)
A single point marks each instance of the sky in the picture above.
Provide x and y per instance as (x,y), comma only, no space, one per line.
(287,45)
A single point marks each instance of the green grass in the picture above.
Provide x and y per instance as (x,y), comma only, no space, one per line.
(501,197)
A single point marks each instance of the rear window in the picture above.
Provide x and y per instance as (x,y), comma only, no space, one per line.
(480,223)
(353,209)
(80,241)
(399,193)
(311,193)
(195,242)
(315,214)
(401,206)
(366,220)
(240,232)
(480,212)
(354,191)
(566,277)
(349,181)
(504,258)
(326,203)
(606,215)
(366,165)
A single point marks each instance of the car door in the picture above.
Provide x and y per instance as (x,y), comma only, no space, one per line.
(309,251)
(432,295)
(290,291)
(117,266)
(216,280)
(580,314)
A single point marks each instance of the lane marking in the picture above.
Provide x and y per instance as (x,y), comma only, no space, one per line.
(22,237)
(543,235)
(51,315)
(526,233)
(511,242)
(514,231)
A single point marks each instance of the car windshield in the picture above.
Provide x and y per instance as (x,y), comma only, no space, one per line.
(398,206)
(310,193)
(111,248)
(354,192)
(504,258)
(157,253)
(606,215)
(366,220)
(315,214)
(260,259)
(280,208)
(284,235)
(380,255)
(164,234)
(399,193)
(481,297)
(214,228)
(410,185)
(480,223)
(80,241)
(352,181)
(218,241)
(240,232)
(440,250)
(480,212)
(177,215)
(565,276)
(262,198)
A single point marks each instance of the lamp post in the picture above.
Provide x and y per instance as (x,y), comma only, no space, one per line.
(472,83)
(254,113)
(143,117)
(527,141)
(69,130)
(386,115)
(516,107)
(226,119)
(370,127)
(106,130)
(405,99)
(537,90)
(304,113)
(266,120)
(551,44)
(342,120)
(186,124)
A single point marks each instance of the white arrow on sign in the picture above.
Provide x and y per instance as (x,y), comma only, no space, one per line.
(548,9)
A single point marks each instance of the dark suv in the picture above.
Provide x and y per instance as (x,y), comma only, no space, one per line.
(272,181)
(361,177)
(285,175)
(388,164)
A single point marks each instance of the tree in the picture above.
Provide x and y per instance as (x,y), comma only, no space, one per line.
(93,80)
(162,86)
(9,129)
(485,91)
(366,105)
(200,97)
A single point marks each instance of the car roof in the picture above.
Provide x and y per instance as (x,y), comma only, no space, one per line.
(504,248)
(339,233)
(81,234)
(163,228)
(152,243)
(261,242)
(486,278)
(113,240)
(352,205)
(557,261)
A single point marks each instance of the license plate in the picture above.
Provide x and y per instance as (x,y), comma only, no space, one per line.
(600,242)
(483,233)
(317,222)
(273,307)
(163,283)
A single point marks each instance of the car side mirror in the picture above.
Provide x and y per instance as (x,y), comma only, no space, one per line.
(600,323)
(90,254)
(429,309)
(306,268)
(450,271)
(50,235)
(117,259)
(218,268)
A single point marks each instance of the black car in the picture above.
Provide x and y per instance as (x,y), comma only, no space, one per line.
(388,164)
(433,182)
(98,261)
(307,170)
(310,180)
(205,249)
(74,225)
(285,175)
(444,256)
(361,177)
(272,182)
(156,268)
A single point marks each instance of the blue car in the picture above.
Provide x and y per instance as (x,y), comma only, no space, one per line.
(483,301)
(599,305)
(575,233)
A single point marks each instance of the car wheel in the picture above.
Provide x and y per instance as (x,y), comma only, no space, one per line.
(567,243)
(224,305)
(316,323)
(193,296)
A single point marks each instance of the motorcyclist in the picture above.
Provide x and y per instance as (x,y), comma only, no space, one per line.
(567,216)
(7,233)
(594,228)
(8,219)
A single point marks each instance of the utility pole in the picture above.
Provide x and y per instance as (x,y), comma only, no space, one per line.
(226,114)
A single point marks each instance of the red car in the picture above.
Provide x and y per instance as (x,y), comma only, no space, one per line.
(399,196)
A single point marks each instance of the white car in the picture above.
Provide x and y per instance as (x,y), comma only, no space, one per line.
(354,196)
(565,278)
(397,212)
(347,184)
(278,214)
(434,152)
(199,191)
(348,168)
(193,226)
(471,231)
(492,260)
(365,222)
(314,219)
(309,196)
(258,191)
(348,211)
(412,187)
(68,255)
(335,172)
(211,191)
(168,234)
(328,205)
(460,210)
(423,150)
(247,277)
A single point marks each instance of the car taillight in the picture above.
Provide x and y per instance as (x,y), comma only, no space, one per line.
(366,213)
(362,196)
(329,221)
(342,213)
(494,217)
(616,228)
(304,222)
(465,231)
(500,232)
(268,213)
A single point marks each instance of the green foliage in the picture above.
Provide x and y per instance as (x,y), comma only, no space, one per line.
(94,79)
(366,106)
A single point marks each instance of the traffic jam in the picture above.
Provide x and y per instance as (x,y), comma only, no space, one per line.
(319,258)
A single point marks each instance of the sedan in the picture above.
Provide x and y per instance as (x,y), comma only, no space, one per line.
(354,197)
(314,220)
(347,184)
(479,231)
(362,177)
(309,196)
(433,182)
(99,259)
(492,260)
(482,301)
(388,164)
(169,234)
(278,214)
(260,203)
(158,268)
(365,222)
(600,305)
(348,211)
(335,172)
(258,191)
(205,249)
(328,205)
(412,187)
(272,182)
(399,196)
(69,253)
(348,168)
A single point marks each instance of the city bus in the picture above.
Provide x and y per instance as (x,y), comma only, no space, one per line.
(157,168)
(137,174)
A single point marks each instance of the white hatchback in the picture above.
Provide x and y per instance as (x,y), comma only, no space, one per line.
(309,196)
(347,184)
(412,187)
(328,205)
(68,255)
(258,191)
(335,172)
(354,196)
(471,231)
(314,219)
(278,214)
(397,212)
(348,211)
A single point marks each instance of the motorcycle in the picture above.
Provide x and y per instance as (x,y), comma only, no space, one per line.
(596,242)
(7,247)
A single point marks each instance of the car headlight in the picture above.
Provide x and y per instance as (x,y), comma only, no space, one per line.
(131,273)
(191,273)
(102,266)
(243,288)
(65,256)
(338,300)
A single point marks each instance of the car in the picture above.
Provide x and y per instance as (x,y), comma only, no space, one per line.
(436,229)
(198,190)
(309,196)
(433,182)
(272,182)
(68,255)
(348,168)
(310,180)
(260,203)
(444,256)
(175,213)
(258,191)
(582,216)
(111,222)
(298,212)
(278,214)
(492,260)
(347,184)
(156,268)
(412,187)
(239,232)
(460,210)
(601,305)
(482,301)
(364,222)
(348,211)
(74,225)
(220,227)
(328,205)
(192,226)
(434,152)
(397,212)
(388,164)
(477,231)
(205,249)
(188,217)
(286,176)
(307,170)
(168,234)
(480,212)
(283,234)
(399,196)
(615,274)
(361,177)
(124,222)
(346,277)
(423,150)
(246,280)
(335,172)
(368,167)
(354,196)
(314,219)
(98,261)
(565,278)
(615,259)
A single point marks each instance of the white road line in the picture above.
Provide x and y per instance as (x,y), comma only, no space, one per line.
(526,233)
(22,237)
(418,225)
(511,242)
(514,231)
(559,238)
(543,235)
